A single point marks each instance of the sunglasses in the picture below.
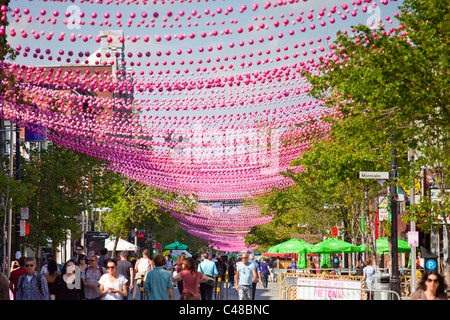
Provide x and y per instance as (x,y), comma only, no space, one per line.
(29,265)
(110,267)
(433,280)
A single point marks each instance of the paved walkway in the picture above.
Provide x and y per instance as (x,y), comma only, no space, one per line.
(271,293)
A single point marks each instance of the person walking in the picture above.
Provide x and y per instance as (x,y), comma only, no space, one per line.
(251,259)
(5,292)
(44,269)
(264,266)
(368,272)
(191,279)
(103,257)
(91,276)
(208,268)
(178,269)
(432,286)
(231,267)
(82,262)
(159,281)
(125,268)
(169,263)
(272,267)
(32,285)
(19,270)
(293,264)
(220,280)
(112,285)
(141,268)
(78,252)
(68,285)
(245,276)
(51,274)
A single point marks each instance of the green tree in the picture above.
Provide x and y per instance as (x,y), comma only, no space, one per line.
(60,177)
(327,193)
(136,205)
(393,87)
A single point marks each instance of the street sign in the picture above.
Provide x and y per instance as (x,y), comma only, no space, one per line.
(431,264)
(413,238)
(23,224)
(24,213)
(383,208)
(334,232)
(373,175)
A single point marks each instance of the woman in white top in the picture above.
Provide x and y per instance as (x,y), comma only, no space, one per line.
(368,273)
(112,285)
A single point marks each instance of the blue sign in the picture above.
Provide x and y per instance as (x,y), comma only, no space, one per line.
(35,133)
(431,264)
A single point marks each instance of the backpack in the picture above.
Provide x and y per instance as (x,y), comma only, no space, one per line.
(139,275)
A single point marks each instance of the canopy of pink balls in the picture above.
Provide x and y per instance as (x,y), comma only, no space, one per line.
(236,114)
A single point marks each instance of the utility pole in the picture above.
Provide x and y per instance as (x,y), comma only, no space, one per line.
(413,229)
(17,176)
(395,279)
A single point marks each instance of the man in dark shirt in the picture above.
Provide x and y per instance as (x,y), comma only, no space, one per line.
(125,268)
(19,269)
(221,268)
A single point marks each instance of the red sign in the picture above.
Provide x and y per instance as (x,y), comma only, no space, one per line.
(334,232)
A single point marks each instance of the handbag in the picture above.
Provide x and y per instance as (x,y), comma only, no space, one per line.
(139,279)
(187,295)
(210,282)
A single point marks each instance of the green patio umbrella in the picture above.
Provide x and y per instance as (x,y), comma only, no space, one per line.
(176,246)
(383,246)
(293,246)
(273,249)
(334,245)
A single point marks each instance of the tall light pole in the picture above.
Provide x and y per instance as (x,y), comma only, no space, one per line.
(17,176)
(394,280)
(413,229)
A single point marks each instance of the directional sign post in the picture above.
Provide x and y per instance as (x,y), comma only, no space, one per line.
(394,280)
(373,175)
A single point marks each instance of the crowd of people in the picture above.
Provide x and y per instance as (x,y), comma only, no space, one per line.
(99,277)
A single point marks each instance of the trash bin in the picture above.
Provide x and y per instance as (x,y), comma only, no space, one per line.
(381,282)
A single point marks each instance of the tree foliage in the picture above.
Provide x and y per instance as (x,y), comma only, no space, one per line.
(390,88)
(393,86)
(63,182)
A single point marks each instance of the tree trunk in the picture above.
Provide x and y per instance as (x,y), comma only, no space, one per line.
(113,254)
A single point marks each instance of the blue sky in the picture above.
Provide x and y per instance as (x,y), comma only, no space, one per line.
(278,25)
(207,23)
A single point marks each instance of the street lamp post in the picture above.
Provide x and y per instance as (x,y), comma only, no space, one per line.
(395,280)
(17,176)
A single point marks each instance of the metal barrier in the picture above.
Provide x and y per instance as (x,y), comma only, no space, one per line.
(287,279)
(405,280)
(286,292)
